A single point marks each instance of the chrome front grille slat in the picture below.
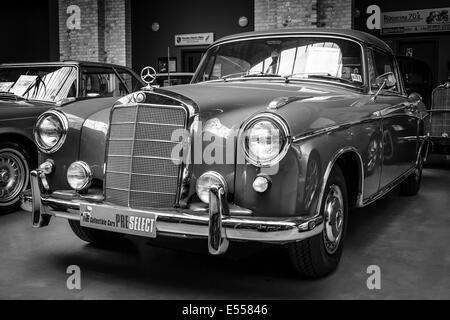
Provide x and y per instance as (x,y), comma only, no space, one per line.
(141,171)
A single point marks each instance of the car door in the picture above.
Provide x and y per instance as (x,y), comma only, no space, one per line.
(399,122)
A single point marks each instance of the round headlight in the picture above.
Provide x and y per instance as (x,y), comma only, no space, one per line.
(266,140)
(206,181)
(50,131)
(79,175)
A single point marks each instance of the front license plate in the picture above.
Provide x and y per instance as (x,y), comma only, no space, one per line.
(118,220)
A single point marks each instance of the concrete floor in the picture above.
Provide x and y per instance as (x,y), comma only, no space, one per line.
(408,238)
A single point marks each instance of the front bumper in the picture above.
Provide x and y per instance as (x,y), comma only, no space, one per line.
(217,224)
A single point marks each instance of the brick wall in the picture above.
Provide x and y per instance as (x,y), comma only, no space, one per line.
(275,14)
(105,34)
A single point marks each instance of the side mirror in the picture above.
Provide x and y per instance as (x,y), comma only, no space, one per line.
(386,81)
(414,96)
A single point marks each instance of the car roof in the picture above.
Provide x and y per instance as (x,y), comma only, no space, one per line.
(346,33)
(63,63)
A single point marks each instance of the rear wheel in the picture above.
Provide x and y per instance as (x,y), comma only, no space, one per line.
(15,164)
(95,237)
(320,255)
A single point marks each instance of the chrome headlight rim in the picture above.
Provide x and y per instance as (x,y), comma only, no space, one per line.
(64,128)
(87,169)
(284,128)
(216,175)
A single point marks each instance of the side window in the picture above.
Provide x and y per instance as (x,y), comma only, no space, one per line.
(101,82)
(381,64)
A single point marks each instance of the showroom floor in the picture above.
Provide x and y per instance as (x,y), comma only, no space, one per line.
(408,238)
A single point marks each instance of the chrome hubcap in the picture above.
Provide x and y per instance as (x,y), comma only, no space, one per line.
(12,175)
(334,219)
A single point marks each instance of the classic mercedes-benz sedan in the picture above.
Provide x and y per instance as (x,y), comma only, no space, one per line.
(277,136)
(28,90)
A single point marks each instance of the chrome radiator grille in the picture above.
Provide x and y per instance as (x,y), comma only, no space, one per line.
(140,170)
(440,121)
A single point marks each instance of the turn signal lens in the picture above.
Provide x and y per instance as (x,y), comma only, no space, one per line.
(261,184)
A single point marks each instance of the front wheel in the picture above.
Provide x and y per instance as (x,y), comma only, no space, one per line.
(14,175)
(320,255)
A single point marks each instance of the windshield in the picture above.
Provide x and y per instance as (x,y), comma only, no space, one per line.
(318,58)
(50,84)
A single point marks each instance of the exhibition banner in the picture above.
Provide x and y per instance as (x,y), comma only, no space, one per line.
(415,21)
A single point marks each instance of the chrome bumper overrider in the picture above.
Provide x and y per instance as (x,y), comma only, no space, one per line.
(218,226)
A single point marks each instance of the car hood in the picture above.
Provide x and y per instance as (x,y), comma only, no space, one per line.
(21,109)
(311,106)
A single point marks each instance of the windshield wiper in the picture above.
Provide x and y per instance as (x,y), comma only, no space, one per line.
(262,75)
(325,76)
(247,74)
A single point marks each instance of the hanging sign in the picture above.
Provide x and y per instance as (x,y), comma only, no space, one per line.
(195,39)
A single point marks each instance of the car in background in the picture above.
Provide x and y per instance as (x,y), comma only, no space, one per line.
(439,120)
(26,91)
(173,79)
(278,135)
(417,77)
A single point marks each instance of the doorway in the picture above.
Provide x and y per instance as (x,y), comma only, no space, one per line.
(425,50)
(191,59)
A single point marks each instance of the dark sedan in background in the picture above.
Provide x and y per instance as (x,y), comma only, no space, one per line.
(417,77)
(28,90)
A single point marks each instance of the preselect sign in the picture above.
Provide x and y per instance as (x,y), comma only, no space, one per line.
(195,39)
(413,21)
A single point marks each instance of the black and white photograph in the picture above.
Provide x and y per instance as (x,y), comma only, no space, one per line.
(224,155)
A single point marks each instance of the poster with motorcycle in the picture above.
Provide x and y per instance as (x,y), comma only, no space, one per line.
(415,21)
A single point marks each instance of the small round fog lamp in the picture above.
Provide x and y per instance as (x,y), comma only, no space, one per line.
(206,181)
(261,184)
(79,176)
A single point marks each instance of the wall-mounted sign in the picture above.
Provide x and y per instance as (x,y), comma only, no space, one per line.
(195,39)
(413,21)
(162,65)
(73,22)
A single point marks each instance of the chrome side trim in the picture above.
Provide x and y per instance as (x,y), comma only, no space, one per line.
(385,190)
(327,130)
